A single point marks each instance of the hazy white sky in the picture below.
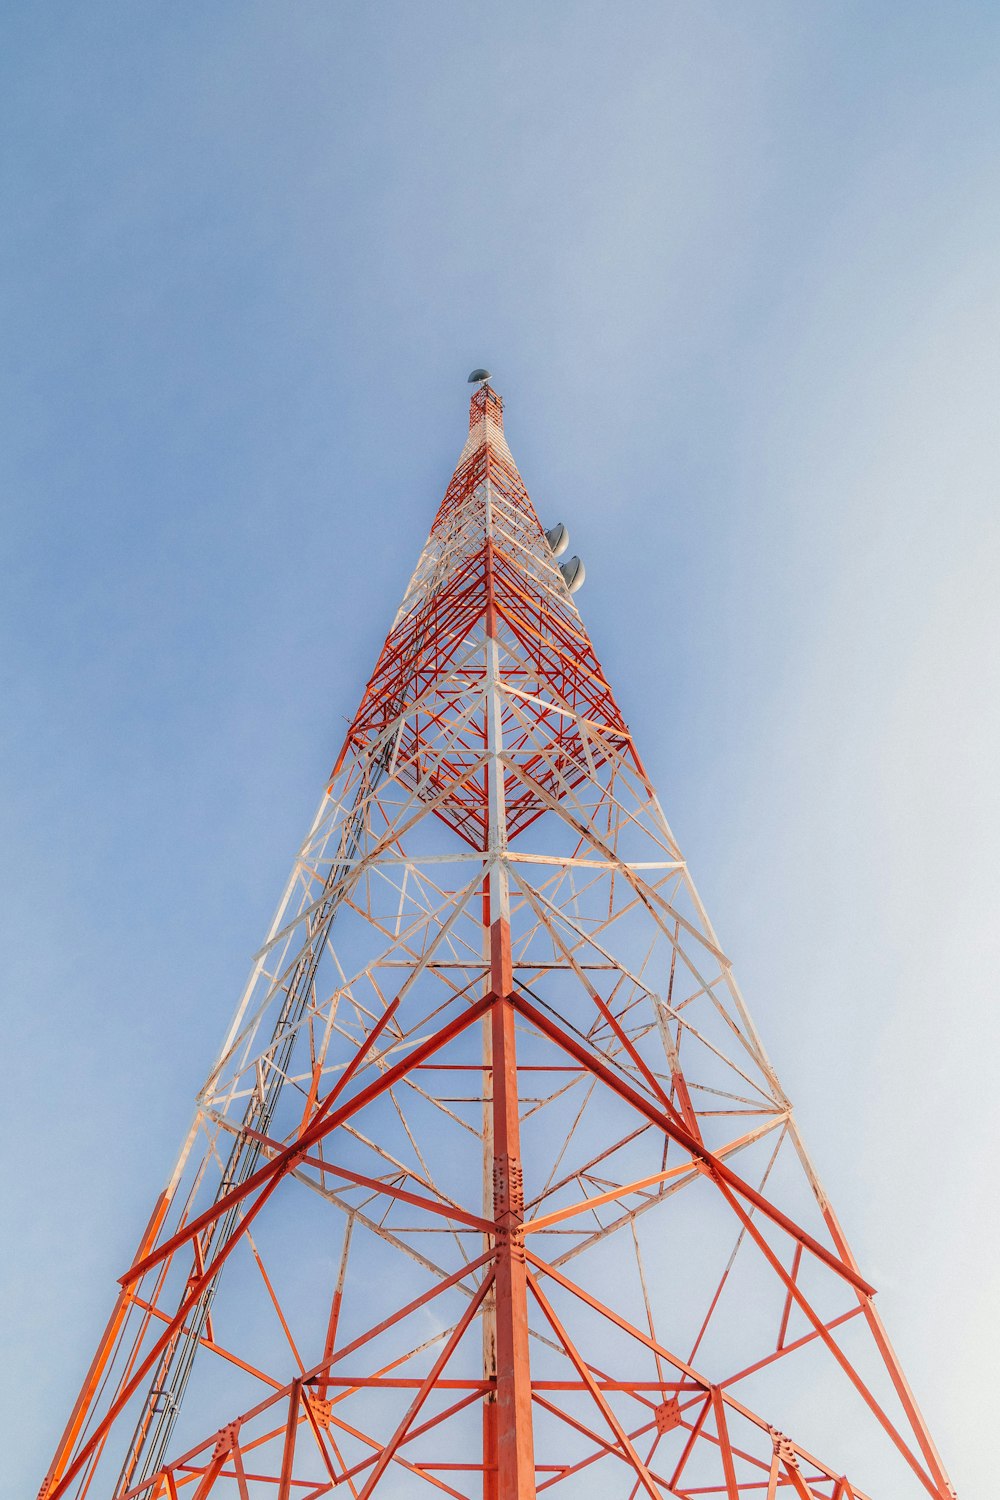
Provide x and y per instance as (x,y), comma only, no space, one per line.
(736,271)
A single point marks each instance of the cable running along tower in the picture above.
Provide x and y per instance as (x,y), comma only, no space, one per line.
(492,1189)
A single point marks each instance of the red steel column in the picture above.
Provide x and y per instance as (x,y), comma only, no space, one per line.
(514,1437)
(490,1304)
(105,1352)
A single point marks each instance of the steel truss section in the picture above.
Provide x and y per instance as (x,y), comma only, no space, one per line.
(492,1189)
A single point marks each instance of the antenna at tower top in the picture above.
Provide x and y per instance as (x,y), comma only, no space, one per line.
(480,375)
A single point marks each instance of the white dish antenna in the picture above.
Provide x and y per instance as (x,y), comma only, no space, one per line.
(558,539)
(574,573)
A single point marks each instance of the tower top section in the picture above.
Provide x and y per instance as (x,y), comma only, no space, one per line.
(485,431)
(486,406)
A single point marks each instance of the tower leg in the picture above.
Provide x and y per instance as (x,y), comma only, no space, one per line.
(514,1439)
(490,1304)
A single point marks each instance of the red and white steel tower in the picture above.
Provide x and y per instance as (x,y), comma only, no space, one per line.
(492,1188)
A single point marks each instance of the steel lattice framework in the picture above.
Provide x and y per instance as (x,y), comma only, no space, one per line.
(492,1189)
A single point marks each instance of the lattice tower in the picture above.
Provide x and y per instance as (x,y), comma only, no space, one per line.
(492,1188)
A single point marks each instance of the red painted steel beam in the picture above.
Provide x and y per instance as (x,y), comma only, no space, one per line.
(515,1437)
(690,1143)
(99,1363)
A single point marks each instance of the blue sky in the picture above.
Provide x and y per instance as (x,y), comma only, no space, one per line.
(735,269)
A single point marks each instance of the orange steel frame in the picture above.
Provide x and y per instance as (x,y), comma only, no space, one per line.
(492,1036)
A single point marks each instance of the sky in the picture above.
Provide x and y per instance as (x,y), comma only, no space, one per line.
(735,270)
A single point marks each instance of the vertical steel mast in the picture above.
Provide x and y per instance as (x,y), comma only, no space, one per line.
(511,1447)
(492,1188)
